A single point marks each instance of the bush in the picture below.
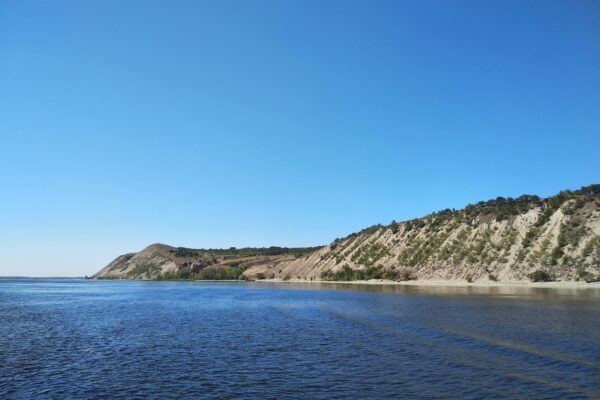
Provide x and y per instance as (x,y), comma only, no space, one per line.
(220,272)
(260,275)
(369,254)
(530,236)
(492,277)
(349,274)
(405,274)
(469,278)
(540,276)
(215,272)
(390,275)
(588,277)
(184,252)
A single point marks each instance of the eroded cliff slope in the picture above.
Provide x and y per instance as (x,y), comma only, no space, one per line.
(502,239)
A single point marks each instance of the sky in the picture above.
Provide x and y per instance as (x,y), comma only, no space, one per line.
(289,123)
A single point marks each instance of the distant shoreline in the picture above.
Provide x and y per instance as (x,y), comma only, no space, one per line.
(373,282)
(453,283)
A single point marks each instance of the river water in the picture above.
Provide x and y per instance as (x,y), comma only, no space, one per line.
(64,338)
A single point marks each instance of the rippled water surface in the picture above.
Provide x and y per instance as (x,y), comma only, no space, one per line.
(106,339)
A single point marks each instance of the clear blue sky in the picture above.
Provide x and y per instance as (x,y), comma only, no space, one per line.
(291,123)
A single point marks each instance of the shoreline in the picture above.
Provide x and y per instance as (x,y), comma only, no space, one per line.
(449,283)
(383,282)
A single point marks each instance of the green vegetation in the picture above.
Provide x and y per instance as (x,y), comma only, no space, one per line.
(503,208)
(217,272)
(149,269)
(591,250)
(414,224)
(509,237)
(414,254)
(184,252)
(220,272)
(540,276)
(586,276)
(571,233)
(530,236)
(349,274)
(592,247)
(403,274)
(367,231)
(369,254)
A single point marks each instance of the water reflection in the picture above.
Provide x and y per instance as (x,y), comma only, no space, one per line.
(576,293)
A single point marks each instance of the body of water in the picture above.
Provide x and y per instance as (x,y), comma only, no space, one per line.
(130,339)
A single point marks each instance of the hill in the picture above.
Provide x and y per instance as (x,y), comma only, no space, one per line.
(159,261)
(504,239)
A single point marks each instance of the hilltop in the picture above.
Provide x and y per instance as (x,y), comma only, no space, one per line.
(504,239)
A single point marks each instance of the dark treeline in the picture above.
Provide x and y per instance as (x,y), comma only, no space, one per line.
(500,208)
(218,272)
(244,251)
(348,274)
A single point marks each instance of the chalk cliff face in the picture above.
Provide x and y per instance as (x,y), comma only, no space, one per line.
(503,239)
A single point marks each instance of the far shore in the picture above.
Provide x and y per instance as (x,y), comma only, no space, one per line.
(453,283)
(418,282)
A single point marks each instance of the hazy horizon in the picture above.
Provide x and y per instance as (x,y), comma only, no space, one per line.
(219,124)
